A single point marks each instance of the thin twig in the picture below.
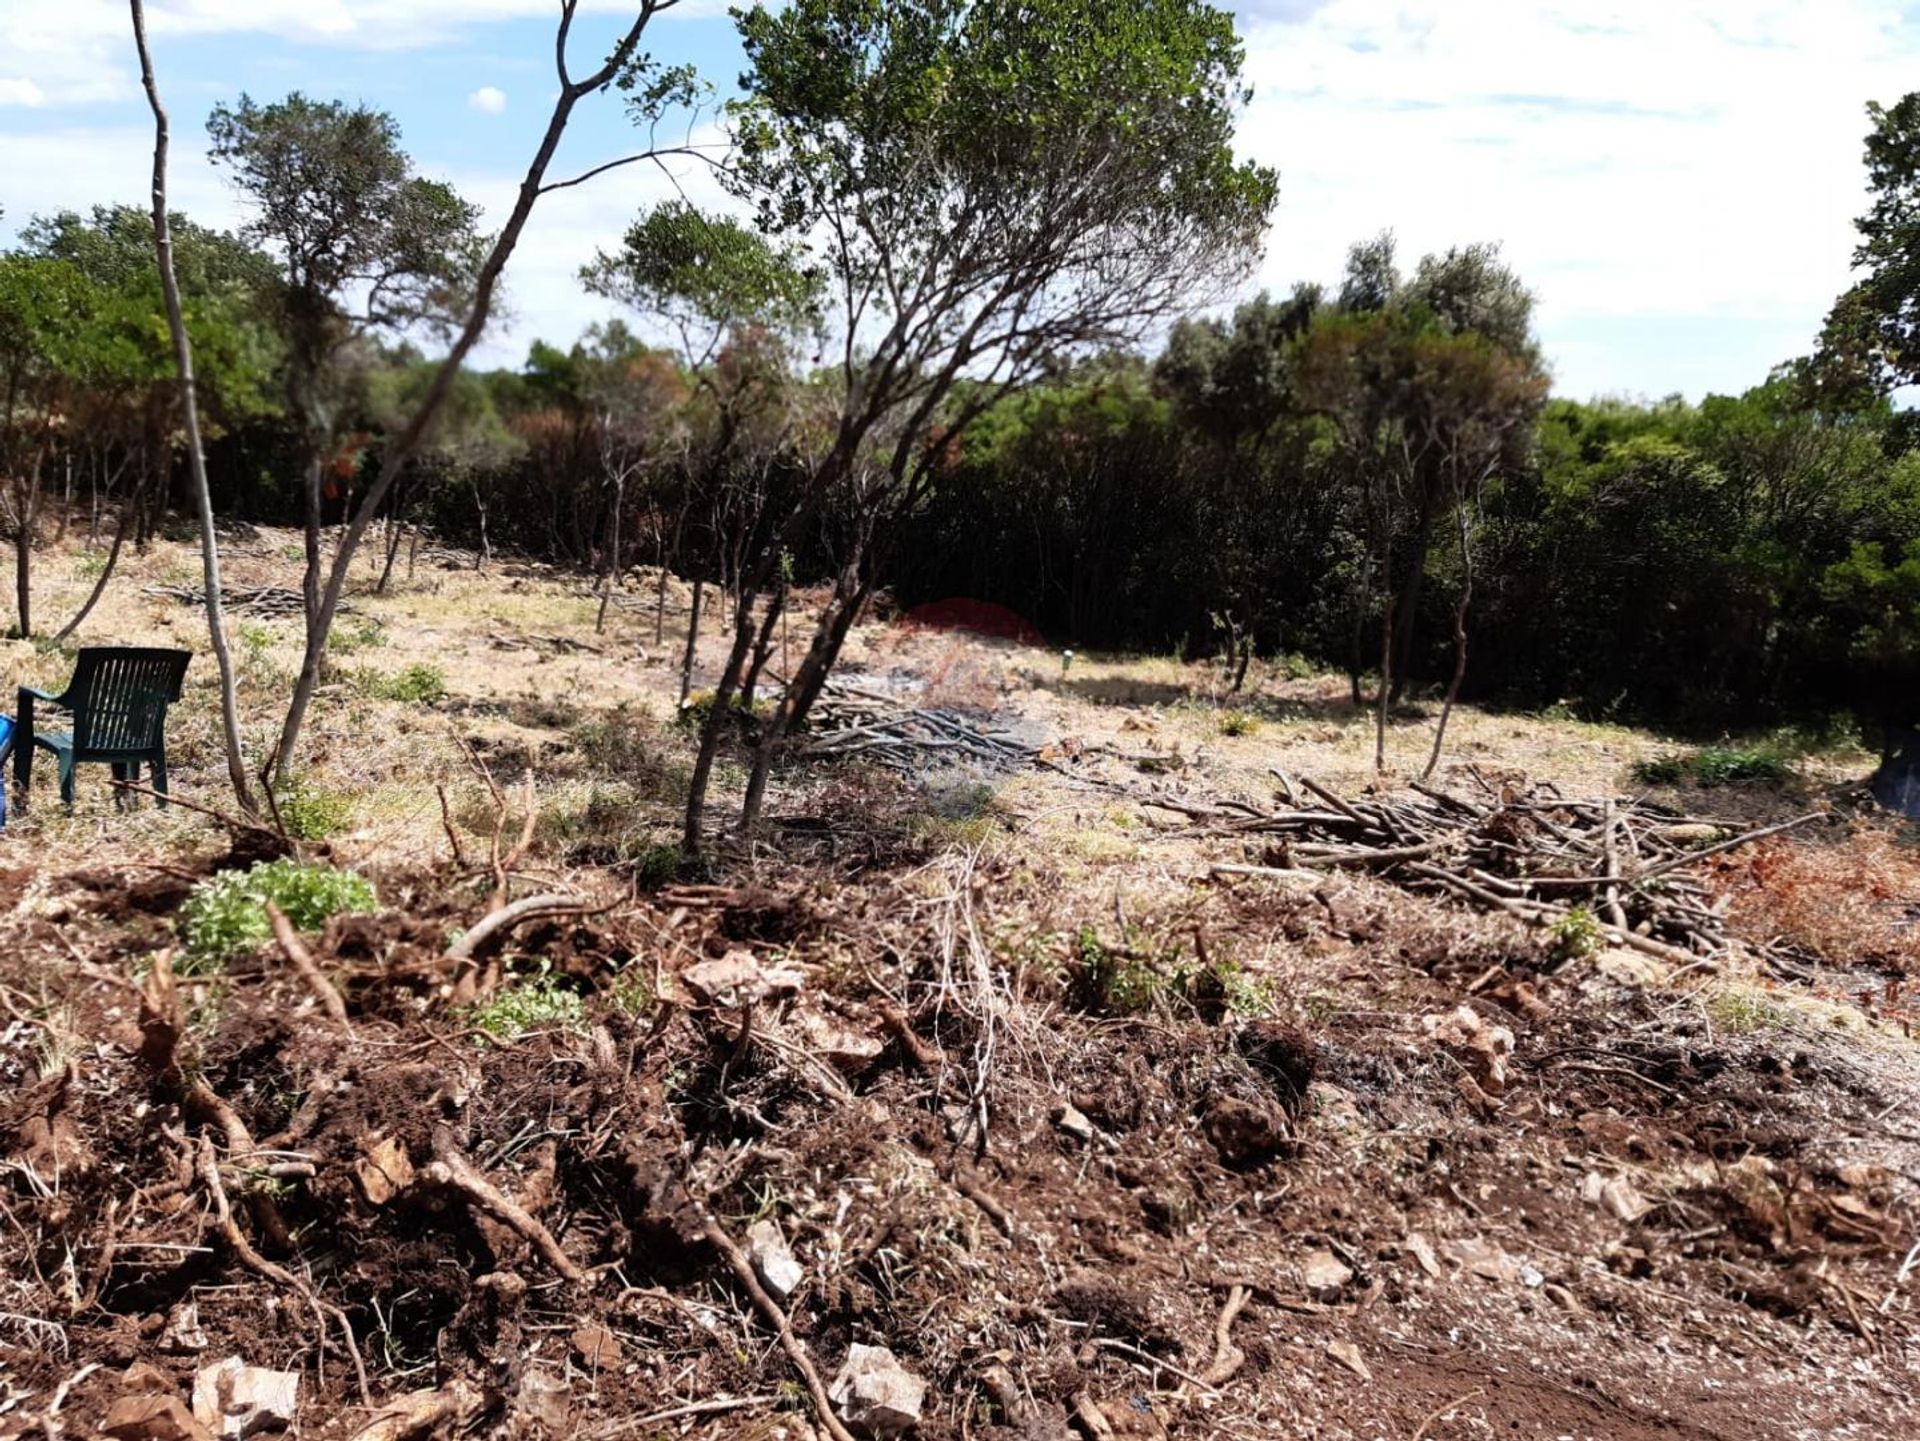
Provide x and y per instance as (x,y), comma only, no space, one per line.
(714,1407)
(296,952)
(795,1348)
(1427,1425)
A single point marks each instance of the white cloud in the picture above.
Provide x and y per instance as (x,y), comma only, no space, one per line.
(81,51)
(1675,178)
(1686,164)
(488,100)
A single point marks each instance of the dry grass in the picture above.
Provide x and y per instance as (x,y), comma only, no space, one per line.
(1852,904)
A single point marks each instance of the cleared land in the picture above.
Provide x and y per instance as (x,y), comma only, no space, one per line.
(1094,1138)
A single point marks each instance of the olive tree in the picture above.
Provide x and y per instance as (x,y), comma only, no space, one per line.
(983,186)
(409,253)
(738,306)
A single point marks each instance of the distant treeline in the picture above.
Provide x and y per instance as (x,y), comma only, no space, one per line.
(1320,474)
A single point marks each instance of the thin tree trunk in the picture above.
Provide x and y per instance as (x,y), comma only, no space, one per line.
(803,688)
(106,572)
(190,416)
(693,642)
(396,532)
(23,553)
(660,605)
(614,571)
(1459,643)
(763,646)
(1386,687)
(1410,606)
(693,834)
(400,451)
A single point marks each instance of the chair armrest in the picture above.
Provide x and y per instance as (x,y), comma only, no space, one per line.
(59,700)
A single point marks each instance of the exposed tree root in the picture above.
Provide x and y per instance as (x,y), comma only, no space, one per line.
(795,1348)
(243,1248)
(450,1168)
(302,960)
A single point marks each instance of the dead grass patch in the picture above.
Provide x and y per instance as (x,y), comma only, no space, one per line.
(1851,903)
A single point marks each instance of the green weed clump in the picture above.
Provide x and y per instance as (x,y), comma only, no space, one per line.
(1716,766)
(1238,723)
(366,633)
(1576,935)
(1127,980)
(227,913)
(418,684)
(537,1002)
(308,813)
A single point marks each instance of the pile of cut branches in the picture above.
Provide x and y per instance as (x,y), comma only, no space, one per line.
(849,721)
(267,600)
(1536,855)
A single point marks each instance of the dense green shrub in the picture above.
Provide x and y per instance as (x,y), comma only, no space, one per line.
(1715,766)
(227,913)
(418,684)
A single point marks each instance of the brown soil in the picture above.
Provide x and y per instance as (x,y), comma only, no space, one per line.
(1737,1293)
(1033,1099)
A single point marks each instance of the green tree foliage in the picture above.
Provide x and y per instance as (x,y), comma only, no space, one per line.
(361,242)
(710,277)
(983,186)
(1871,344)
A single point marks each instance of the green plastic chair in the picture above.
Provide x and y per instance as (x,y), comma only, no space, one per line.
(118,697)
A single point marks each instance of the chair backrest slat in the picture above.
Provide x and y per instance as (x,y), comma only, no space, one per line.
(120,696)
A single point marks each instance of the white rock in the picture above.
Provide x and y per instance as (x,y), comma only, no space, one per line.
(773,1260)
(738,979)
(877,1396)
(1074,1122)
(1325,1274)
(231,1398)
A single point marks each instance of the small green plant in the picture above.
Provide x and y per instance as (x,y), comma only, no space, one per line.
(540,1001)
(1741,1012)
(308,813)
(418,684)
(1576,935)
(89,565)
(365,633)
(1238,723)
(257,669)
(1124,980)
(1242,993)
(227,914)
(657,864)
(633,991)
(1716,766)
(693,715)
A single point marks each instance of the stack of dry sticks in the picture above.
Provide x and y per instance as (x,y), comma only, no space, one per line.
(1535,855)
(849,721)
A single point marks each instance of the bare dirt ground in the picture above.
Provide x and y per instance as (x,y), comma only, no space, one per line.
(1093,1139)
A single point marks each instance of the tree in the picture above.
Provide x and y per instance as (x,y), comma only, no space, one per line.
(190,421)
(436,214)
(739,307)
(1871,342)
(363,245)
(984,187)
(51,346)
(1432,386)
(124,428)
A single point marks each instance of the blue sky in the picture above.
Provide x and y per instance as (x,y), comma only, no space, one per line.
(1676,179)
